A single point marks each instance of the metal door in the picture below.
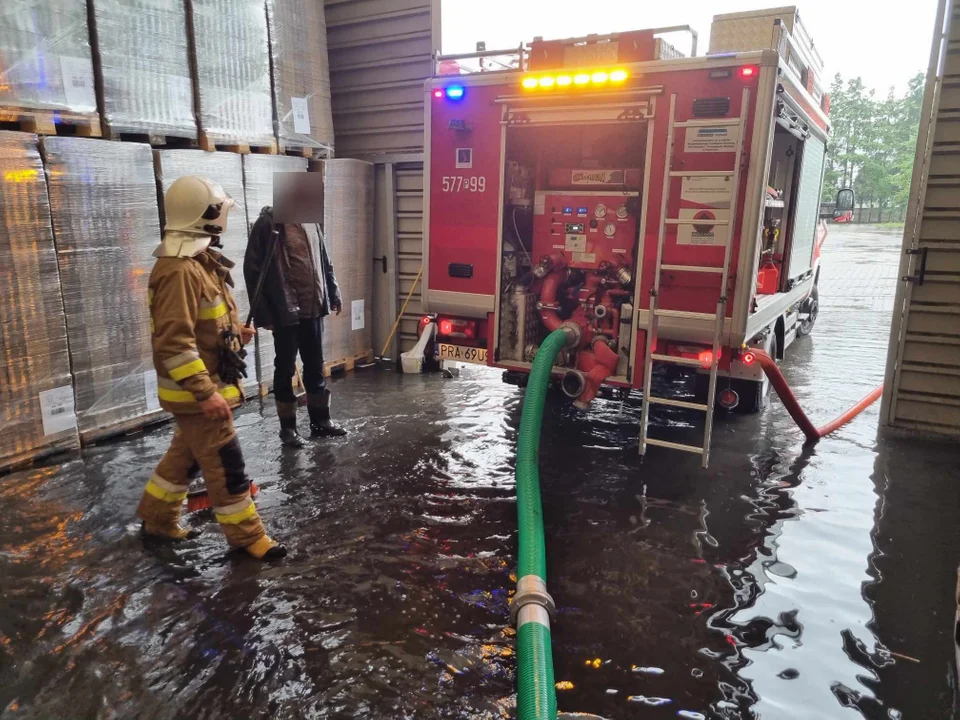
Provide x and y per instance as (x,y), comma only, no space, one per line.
(922,390)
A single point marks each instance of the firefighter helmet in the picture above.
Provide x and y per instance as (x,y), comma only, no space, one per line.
(196,205)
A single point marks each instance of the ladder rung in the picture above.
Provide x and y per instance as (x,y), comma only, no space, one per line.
(715,122)
(693,268)
(695,221)
(677,403)
(692,362)
(684,315)
(701,173)
(675,446)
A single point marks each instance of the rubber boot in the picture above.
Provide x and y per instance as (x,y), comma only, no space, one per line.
(318,406)
(174,534)
(287,412)
(266,548)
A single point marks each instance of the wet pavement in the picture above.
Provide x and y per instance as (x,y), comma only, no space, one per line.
(779,583)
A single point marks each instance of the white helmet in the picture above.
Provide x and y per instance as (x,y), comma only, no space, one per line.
(196,205)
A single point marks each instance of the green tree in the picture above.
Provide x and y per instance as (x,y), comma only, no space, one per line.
(873,141)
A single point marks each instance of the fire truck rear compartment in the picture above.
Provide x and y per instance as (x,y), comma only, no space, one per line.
(570,245)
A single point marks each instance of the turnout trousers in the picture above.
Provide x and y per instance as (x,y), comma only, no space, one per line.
(210,447)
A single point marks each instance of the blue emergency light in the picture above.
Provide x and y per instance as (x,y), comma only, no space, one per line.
(454,92)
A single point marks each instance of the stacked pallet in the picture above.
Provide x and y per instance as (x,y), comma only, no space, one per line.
(258,173)
(46,70)
(225,169)
(301,76)
(348,223)
(36,392)
(142,67)
(103,199)
(231,74)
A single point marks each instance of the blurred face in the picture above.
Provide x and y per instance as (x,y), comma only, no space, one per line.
(298,197)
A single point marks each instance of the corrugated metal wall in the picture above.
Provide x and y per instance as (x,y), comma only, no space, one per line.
(922,390)
(381,53)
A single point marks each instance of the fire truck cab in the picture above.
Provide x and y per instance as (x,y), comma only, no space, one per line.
(660,208)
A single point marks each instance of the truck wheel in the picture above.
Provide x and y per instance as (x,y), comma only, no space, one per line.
(812,308)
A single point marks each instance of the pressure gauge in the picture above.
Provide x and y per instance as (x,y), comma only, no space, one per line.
(622,212)
(600,211)
(610,230)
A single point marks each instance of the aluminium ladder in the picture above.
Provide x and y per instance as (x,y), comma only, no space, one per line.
(656,312)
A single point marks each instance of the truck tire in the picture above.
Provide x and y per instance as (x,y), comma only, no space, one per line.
(811,306)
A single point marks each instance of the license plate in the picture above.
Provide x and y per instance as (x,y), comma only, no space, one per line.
(461,353)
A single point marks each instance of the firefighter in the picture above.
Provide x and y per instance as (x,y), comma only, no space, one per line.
(198,354)
(299,289)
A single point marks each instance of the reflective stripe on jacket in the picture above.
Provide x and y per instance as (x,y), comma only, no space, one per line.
(190,305)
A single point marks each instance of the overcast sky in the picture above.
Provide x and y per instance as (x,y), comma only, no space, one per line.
(855,37)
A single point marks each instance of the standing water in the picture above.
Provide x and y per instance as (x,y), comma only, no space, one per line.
(779,583)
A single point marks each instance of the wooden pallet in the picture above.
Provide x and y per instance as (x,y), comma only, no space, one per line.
(347,364)
(169,142)
(50,122)
(323,152)
(39,456)
(212,144)
(127,427)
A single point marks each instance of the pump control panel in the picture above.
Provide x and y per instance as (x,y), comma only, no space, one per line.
(588,227)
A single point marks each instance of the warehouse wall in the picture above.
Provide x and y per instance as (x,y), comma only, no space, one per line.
(381,54)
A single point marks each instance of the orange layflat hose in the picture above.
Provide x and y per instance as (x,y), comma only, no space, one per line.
(793,406)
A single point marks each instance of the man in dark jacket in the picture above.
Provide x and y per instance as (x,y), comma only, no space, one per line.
(299,290)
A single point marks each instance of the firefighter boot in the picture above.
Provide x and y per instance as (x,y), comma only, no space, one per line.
(162,500)
(266,548)
(287,412)
(318,405)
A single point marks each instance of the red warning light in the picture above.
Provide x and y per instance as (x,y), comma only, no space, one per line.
(747,358)
(748,71)
(446,327)
(706,358)
(438,93)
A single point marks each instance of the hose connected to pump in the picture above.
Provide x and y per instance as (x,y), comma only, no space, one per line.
(792,405)
(532,605)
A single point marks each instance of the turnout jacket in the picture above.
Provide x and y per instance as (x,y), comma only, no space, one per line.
(190,305)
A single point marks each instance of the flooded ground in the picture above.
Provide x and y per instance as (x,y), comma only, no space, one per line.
(780,583)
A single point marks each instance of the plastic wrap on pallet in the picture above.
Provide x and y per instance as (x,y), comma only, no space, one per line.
(232,70)
(301,73)
(140,49)
(225,169)
(45,56)
(36,390)
(348,224)
(258,173)
(103,199)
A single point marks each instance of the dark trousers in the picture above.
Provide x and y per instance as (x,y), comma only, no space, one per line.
(306,338)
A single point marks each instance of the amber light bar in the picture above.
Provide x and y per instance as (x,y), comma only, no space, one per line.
(580,78)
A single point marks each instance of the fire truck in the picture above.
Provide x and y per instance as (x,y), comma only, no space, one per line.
(663,209)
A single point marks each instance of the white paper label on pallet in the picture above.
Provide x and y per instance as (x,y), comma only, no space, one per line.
(57,410)
(150,390)
(301,115)
(356,315)
(706,199)
(711,139)
(78,82)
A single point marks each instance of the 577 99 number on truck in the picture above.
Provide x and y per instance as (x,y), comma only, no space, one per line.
(462,353)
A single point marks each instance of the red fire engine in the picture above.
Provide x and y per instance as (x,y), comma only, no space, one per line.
(664,209)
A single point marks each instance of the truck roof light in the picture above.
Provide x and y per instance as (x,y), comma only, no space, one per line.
(618,76)
(748,71)
(546,81)
(530,82)
(599,77)
(455,92)
(564,80)
(438,93)
(581,79)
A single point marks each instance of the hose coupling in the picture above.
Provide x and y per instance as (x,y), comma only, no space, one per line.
(531,590)
(573,332)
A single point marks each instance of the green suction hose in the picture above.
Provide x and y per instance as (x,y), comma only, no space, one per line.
(532,605)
